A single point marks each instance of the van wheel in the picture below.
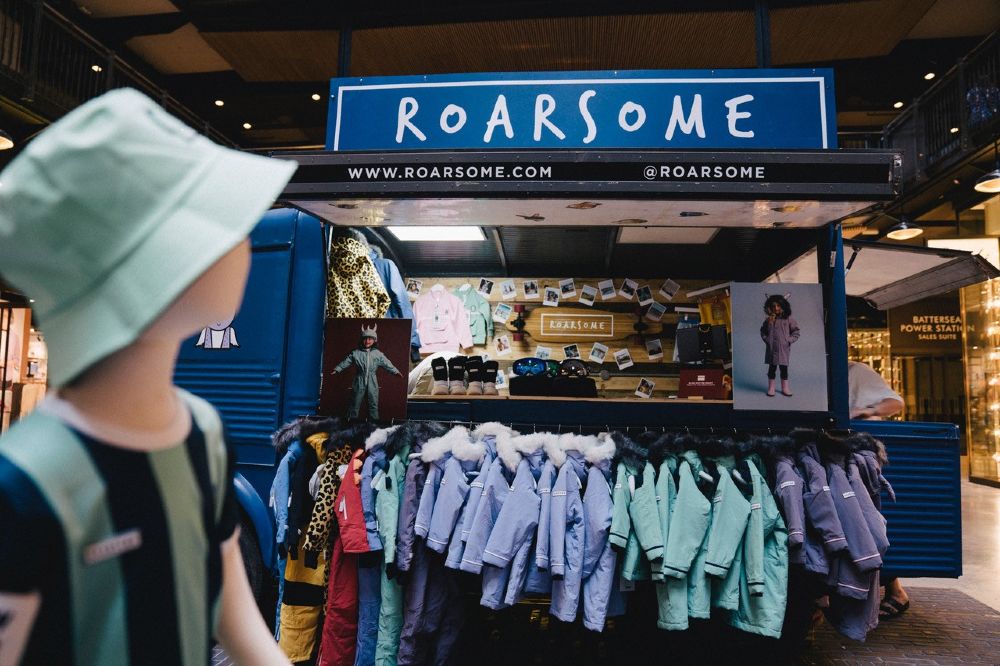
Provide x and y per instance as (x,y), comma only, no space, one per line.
(262,583)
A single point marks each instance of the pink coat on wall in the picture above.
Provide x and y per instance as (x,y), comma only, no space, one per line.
(441,322)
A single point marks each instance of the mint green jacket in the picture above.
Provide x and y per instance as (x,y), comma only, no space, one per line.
(730,512)
(480,316)
(635,522)
(671,593)
(764,578)
(388,494)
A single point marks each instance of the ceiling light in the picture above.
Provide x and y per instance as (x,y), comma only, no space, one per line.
(990,182)
(6,141)
(421,233)
(219,102)
(929,75)
(954,130)
(247,126)
(316,97)
(905,230)
(97,68)
(897,105)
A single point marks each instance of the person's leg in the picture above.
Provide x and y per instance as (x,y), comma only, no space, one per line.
(373,404)
(785,390)
(355,408)
(896,600)
(771,374)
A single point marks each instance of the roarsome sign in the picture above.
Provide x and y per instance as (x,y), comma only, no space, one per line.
(737,109)
(583,327)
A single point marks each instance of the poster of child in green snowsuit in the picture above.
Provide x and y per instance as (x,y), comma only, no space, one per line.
(365,368)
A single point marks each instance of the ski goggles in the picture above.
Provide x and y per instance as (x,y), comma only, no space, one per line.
(535,367)
(573,367)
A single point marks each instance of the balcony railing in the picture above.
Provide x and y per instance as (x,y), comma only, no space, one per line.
(51,66)
(953,119)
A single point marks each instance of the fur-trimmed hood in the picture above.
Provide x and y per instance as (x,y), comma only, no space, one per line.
(557,450)
(379,437)
(603,448)
(302,429)
(629,451)
(500,435)
(511,450)
(455,442)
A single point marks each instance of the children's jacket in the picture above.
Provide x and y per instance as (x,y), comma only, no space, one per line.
(400,307)
(764,583)
(824,533)
(300,502)
(509,544)
(566,538)
(778,337)
(487,435)
(441,322)
(601,596)
(860,542)
(280,492)
(340,627)
(686,535)
(388,495)
(452,495)
(477,309)
(671,592)
(788,487)
(353,287)
(730,512)
(436,452)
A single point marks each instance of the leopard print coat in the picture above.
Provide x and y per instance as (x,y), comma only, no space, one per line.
(318,533)
(353,288)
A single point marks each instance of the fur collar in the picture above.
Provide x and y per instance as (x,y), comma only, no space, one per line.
(492,428)
(507,452)
(436,448)
(600,449)
(379,437)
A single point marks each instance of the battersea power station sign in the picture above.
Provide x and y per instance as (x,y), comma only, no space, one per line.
(932,326)
(719,109)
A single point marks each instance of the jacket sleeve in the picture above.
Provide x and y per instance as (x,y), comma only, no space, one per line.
(557,524)
(428,497)
(451,496)
(487,314)
(687,533)
(822,514)
(318,532)
(764,330)
(645,518)
(482,523)
(472,502)
(387,510)
(408,505)
(729,522)
(793,330)
(460,325)
(753,541)
(368,503)
(279,499)
(387,364)
(597,520)
(621,522)
(517,520)
(788,489)
(300,503)
(545,483)
(340,367)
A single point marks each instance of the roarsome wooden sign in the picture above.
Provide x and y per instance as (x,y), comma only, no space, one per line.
(581,325)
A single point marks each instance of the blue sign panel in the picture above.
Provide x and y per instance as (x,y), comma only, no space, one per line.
(738,109)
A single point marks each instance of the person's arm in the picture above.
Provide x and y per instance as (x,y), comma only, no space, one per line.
(765,328)
(793,330)
(340,367)
(242,631)
(884,408)
(387,364)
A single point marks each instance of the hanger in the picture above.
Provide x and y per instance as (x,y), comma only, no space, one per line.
(464,287)
(437,287)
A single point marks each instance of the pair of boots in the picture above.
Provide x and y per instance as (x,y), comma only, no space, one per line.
(785,390)
(450,376)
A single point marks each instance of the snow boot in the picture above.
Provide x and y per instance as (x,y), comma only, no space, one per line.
(474,366)
(770,387)
(784,388)
(456,375)
(490,369)
(439,367)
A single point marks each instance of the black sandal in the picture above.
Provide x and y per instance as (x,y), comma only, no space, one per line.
(892,608)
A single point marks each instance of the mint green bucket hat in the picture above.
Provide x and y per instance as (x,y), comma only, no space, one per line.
(112,212)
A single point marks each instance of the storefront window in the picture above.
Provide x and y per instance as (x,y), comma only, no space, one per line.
(981,305)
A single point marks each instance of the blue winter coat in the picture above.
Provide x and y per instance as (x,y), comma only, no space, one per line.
(824,537)
(280,491)
(566,538)
(400,307)
(788,487)
(601,596)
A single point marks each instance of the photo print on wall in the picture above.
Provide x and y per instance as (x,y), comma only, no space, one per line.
(779,347)
(645,388)
(543,352)
(502,345)
(571,351)
(567,288)
(531,290)
(654,347)
(669,289)
(502,312)
(551,297)
(414,286)
(485,287)
(588,295)
(656,311)
(645,295)
(508,291)
(623,358)
(607,289)
(628,288)
(598,352)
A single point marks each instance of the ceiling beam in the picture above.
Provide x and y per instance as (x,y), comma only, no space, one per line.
(498,242)
(123,28)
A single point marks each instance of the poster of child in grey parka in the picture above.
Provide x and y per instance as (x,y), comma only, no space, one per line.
(365,367)
(779,347)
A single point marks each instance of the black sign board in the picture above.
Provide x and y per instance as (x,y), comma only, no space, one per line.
(932,326)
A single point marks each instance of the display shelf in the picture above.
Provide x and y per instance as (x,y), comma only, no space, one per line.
(465,398)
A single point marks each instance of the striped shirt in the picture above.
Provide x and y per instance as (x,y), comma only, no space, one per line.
(124,546)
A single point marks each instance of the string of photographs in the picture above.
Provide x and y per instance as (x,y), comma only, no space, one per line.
(566,290)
